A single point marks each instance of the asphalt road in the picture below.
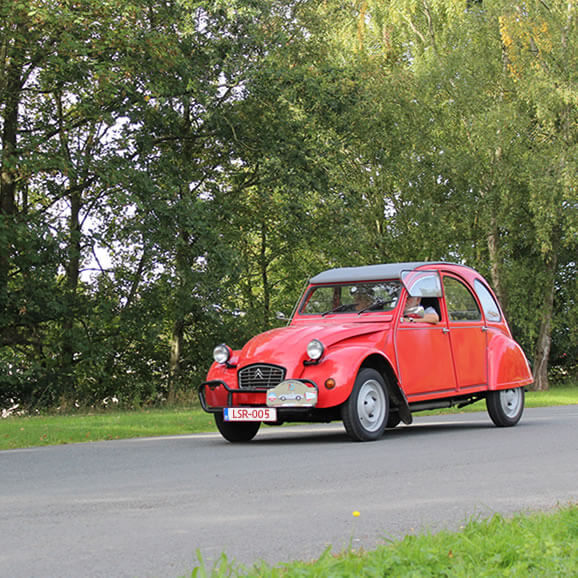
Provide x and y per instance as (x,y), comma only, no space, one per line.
(144,507)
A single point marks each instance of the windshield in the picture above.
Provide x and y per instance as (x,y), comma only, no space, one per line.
(352,298)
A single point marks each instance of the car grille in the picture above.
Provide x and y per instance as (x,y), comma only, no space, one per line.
(261,376)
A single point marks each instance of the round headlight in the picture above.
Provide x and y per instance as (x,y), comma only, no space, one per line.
(222,353)
(315,349)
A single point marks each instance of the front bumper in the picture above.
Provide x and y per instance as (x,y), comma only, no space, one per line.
(222,396)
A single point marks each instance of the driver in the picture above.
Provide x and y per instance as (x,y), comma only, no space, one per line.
(363,297)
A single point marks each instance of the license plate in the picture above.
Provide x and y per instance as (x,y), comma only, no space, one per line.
(250,414)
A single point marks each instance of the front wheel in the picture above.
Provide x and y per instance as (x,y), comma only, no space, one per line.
(366,411)
(393,419)
(237,431)
(506,406)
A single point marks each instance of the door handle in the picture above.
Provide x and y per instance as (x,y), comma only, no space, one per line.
(445,330)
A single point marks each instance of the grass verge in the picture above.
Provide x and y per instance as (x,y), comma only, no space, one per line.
(537,544)
(28,431)
(42,430)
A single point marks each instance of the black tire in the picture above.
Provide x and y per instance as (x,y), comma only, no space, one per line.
(237,431)
(393,419)
(506,406)
(366,411)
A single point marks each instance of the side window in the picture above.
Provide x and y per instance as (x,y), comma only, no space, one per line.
(433,303)
(460,302)
(489,305)
(422,283)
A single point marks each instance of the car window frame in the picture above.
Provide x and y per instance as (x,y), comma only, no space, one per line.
(471,292)
(480,283)
(338,286)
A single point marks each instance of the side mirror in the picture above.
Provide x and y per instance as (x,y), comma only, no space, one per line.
(416,312)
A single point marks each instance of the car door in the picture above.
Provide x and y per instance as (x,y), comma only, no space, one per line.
(423,350)
(468,334)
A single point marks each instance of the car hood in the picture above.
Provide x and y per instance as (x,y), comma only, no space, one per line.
(292,341)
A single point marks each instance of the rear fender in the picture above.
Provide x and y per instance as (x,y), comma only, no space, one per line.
(507,364)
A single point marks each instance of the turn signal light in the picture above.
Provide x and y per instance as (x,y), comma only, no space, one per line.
(330,383)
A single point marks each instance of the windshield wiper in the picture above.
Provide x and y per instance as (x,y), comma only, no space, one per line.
(337,309)
(376,305)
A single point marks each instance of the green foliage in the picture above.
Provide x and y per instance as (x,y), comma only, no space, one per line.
(173,173)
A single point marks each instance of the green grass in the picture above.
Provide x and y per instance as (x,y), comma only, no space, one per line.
(527,545)
(557,396)
(27,431)
(41,430)
(567,395)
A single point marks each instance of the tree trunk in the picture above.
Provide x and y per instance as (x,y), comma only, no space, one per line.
(177,338)
(8,163)
(183,269)
(69,347)
(263,263)
(544,342)
(74,193)
(493,250)
(182,308)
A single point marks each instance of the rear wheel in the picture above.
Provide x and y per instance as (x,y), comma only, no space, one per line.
(366,411)
(237,431)
(506,406)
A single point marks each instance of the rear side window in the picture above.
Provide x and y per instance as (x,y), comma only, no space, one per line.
(489,305)
(461,304)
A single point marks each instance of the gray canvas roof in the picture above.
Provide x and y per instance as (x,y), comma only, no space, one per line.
(366,272)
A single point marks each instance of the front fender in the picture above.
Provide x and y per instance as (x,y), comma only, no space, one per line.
(342,365)
(222,372)
(507,363)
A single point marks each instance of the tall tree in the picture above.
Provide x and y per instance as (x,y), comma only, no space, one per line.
(540,45)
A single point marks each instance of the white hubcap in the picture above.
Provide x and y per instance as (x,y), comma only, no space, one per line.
(371,405)
(511,400)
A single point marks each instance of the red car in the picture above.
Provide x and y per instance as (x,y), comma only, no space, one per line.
(370,346)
